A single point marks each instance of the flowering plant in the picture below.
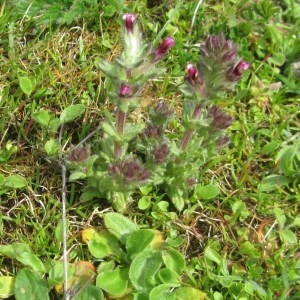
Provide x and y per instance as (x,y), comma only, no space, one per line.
(134,155)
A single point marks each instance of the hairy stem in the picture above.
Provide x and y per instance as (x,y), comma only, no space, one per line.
(120,128)
(188,133)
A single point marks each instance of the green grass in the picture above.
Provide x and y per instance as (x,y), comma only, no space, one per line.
(252,225)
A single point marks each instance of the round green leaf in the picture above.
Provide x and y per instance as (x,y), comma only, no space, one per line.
(139,240)
(89,292)
(32,261)
(103,244)
(144,268)
(15,181)
(29,285)
(206,192)
(6,286)
(174,260)
(26,85)
(113,281)
(42,117)
(189,293)
(163,292)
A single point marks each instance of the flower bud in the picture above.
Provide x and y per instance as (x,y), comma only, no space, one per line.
(79,154)
(130,170)
(125,91)
(220,119)
(161,153)
(129,21)
(152,131)
(241,67)
(167,43)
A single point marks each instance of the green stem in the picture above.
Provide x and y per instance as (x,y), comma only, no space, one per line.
(188,132)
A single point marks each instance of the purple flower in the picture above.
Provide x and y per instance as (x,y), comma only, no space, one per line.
(130,170)
(152,131)
(125,91)
(161,153)
(220,65)
(129,21)
(220,119)
(79,154)
(241,67)
(167,43)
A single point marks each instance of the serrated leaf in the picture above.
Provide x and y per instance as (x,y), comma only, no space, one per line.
(30,285)
(26,85)
(114,282)
(6,286)
(71,113)
(15,181)
(119,226)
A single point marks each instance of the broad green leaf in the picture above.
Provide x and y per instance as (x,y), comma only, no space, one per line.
(143,270)
(272,182)
(51,147)
(114,282)
(206,192)
(249,249)
(288,236)
(14,249)
(174,260)
(30,285)
(168,276)
(31,260)
(141,296)
(15,181)
(144,202)
(189,293)
(71,113)
(42,117)
(103,244)
(213,255)
(6,286)
(163,292)
(139,240)
(119,226)
(89,292)
(26,85)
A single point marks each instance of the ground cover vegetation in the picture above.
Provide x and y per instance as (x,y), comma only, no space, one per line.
(149,149)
